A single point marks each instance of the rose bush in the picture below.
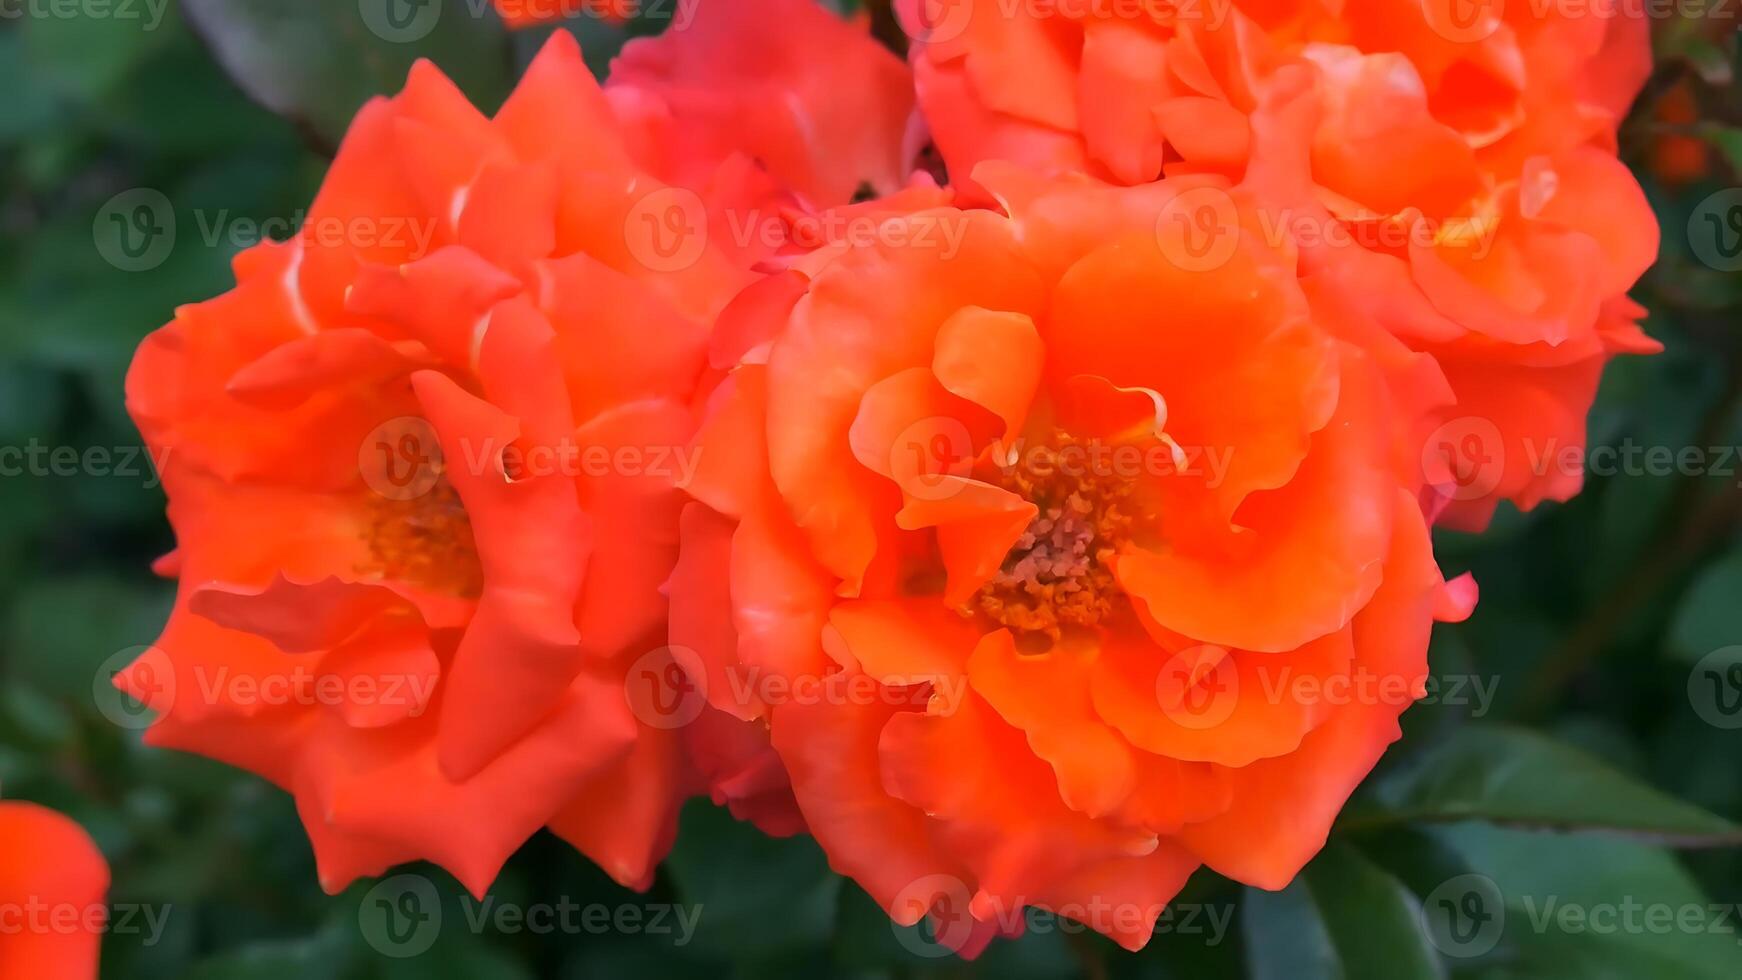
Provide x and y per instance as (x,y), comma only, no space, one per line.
(1031,539)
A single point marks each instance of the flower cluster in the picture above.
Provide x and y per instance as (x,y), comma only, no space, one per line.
(991,464)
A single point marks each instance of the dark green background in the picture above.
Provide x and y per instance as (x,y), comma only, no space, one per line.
(1603,746)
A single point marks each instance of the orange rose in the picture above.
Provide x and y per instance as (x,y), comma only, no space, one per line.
(1041,541)
(422,479)
(1452,165)
(780,88)
(1514,280)
(1677,158)
(52,886)
(1130,90)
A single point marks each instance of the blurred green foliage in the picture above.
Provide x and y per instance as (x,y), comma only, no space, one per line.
(1605,769)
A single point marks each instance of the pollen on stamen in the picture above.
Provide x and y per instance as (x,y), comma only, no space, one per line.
(426,541)
(1059,573)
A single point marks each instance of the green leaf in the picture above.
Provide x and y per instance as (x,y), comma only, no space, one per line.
(1579,907)
(1728,140)
(325,954)
(758,895)
(317,61)
(60,632)
(1513,776)
(28,107)
(1709,617)
(81,58)
(1344,918)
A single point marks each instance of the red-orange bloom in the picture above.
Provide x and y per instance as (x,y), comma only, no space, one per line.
(779,88)
(52,884)
(422,468)
(1041,542)
(1452,164)
(1676,157)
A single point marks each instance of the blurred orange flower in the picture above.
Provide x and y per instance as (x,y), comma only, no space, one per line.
(53,883)
(1677,158)
(1052,574)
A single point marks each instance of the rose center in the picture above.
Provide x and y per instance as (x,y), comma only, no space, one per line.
(425,540)
(1058,574)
